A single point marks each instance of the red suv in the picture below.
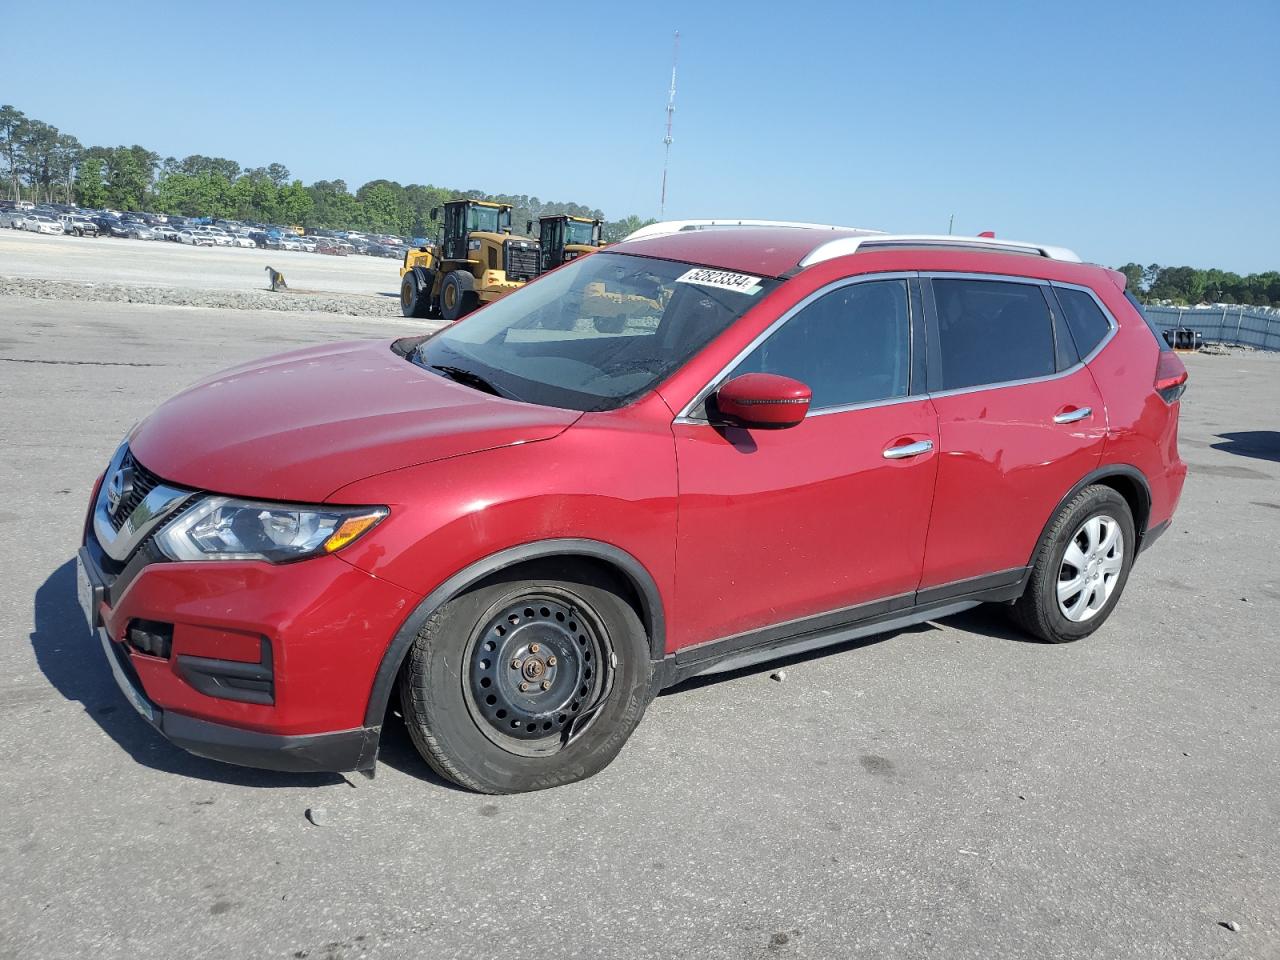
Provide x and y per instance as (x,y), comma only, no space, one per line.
(693,451)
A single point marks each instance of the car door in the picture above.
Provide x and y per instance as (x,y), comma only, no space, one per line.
(828,515)
(1020,421)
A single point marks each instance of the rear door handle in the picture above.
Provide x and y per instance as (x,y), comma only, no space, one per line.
(908,450)
(1071,416)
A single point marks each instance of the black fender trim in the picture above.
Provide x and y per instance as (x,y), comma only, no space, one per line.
(1125,470)
(635,572)
(1153,534)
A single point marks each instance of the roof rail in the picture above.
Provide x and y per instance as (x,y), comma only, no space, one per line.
(844,246)
(679,226)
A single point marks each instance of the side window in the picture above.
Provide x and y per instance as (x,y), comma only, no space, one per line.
(1088,324)
(852,345)
(992,331)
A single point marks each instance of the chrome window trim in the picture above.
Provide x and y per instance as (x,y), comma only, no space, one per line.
(684,415)
(866,405)
(969,275)
(1114,327)
(1010,278)
(843,408)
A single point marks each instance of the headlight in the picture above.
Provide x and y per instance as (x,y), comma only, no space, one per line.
(474,244)
(219,528)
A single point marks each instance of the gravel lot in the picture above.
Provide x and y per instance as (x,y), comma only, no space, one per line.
(948,791)
(163,263)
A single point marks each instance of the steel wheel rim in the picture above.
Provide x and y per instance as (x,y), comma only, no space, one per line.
(406,293)
(567,678)
(1091,568)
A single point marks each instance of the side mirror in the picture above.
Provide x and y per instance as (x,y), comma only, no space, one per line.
(435,213)
(528,226)
(764,400)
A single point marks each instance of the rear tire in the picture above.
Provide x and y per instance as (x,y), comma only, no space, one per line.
(1081,568)
(501,696)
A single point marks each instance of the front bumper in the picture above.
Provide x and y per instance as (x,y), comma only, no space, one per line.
(321,627)
(342,750)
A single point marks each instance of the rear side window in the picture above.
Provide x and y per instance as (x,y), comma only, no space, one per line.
(852,345)
(992,331)
(1087,322)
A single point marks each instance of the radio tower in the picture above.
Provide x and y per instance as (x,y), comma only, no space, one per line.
(671,109)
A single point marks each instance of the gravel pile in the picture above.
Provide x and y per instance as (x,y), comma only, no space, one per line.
(293,300)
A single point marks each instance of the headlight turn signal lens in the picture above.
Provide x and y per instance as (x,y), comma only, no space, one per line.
(351,528)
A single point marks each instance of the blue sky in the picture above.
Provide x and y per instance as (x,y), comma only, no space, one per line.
(1144,131)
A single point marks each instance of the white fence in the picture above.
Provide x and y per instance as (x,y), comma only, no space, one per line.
(1249,326)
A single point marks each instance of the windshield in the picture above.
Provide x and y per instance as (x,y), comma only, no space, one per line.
(595,334)
(576,232)
(482,218)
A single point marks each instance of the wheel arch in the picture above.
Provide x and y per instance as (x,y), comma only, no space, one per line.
(630,572)
(1126,480)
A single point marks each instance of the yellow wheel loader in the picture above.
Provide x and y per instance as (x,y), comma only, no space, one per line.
(564,238)
(475,261)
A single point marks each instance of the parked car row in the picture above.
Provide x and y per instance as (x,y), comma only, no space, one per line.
(194,231)
(29,220)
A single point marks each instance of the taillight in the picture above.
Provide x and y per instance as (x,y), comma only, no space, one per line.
(1171,376)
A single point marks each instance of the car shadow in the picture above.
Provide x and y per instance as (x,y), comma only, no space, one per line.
(1258,444)
(71,658)
(990,620)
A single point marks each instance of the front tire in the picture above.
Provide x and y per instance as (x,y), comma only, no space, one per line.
(414,300)
(1081,568)
(525,684)
(457,296)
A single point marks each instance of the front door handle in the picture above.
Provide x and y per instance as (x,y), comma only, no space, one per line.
(1071,416)
(908,450)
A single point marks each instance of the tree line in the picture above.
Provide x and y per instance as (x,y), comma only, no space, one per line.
(1190,286)
(44,165)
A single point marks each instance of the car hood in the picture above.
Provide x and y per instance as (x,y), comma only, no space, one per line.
(299,425)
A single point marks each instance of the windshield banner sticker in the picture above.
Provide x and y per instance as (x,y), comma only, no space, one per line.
(722,279)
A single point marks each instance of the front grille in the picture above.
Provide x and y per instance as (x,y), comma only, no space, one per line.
(144,481)
(520,259)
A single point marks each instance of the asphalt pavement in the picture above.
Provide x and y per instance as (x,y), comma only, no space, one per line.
(949,791)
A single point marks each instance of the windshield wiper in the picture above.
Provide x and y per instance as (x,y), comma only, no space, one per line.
(472,379)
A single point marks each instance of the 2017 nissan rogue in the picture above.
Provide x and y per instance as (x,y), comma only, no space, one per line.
(693,451)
